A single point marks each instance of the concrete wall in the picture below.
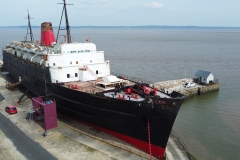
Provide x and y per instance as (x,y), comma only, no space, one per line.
(178,85)
(199,90)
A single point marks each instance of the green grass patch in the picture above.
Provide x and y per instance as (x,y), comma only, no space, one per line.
(191,157)
(90,149)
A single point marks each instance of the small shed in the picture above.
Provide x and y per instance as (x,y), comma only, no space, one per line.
(110,79)
(204,76)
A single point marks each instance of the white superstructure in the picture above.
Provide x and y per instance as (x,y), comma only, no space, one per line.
(67,62)
(76,61)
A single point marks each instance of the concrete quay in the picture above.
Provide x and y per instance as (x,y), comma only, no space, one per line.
(70,140)
(178,85)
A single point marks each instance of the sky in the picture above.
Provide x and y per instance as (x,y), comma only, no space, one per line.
(210,13)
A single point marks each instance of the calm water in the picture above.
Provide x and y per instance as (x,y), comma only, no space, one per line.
(208,124)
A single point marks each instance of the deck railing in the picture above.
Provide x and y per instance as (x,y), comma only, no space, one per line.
(134,79)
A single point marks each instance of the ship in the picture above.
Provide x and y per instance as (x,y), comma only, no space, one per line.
(78,77)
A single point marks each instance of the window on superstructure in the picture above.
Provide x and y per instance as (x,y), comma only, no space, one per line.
(96,71)
(80,51)
(76,62)
(71,62)
(76,75)
(73,51)
(90,61)
(68,75)
(53,64)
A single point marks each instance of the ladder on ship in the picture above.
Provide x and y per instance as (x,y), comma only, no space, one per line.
(20,99)
(90,71)
(149,140)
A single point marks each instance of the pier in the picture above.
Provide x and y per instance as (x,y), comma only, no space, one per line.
(179,86)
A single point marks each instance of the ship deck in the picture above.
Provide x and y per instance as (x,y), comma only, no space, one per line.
(84,86)
(92,88)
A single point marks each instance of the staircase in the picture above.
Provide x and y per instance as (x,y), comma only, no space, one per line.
(90,71)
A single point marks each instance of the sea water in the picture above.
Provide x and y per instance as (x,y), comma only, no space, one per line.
(208,124)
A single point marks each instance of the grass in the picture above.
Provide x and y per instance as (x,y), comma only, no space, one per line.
(90,149)
(191,157)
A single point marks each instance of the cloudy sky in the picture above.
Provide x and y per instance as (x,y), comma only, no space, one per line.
(124,12)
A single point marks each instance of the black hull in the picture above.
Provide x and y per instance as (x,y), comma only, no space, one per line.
(128,118)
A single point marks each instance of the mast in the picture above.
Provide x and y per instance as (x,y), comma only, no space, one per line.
(30,28)
(67,24)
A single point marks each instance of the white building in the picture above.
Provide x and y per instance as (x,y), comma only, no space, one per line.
(204,76)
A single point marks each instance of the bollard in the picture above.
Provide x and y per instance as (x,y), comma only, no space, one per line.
(199,91)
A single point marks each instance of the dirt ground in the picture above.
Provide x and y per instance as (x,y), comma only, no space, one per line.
(64,148)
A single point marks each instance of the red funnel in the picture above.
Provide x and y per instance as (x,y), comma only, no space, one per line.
(47,35)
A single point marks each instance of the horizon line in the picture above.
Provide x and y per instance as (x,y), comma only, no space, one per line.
(132,26)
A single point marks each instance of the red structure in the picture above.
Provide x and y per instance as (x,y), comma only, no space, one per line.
(45,109)
(47,35)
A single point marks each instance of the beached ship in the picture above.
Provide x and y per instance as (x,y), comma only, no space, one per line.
(79,79)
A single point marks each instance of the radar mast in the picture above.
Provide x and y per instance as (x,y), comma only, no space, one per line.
(29,28)
(67,24)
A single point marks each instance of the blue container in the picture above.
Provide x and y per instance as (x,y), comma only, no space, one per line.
(48,102)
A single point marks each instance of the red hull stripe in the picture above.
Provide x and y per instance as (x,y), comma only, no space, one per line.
(144,146)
